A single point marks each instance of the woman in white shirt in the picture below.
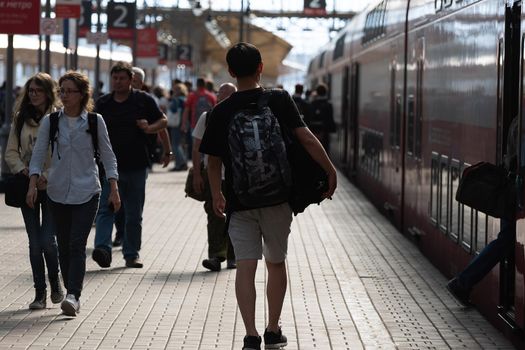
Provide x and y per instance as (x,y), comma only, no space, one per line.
(73,185)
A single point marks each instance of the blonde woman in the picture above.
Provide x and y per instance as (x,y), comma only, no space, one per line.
(73,184)
(37,99)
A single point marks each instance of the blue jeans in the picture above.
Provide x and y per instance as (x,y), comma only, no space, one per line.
(104,220)
(73,222)
(489,257)
(42,243)
(176,137)
(132,189)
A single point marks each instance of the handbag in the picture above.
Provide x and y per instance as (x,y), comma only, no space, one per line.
(490,189)
(16,187)
(190,191)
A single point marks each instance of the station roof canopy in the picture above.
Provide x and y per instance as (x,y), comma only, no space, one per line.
(273,48)
(186,28)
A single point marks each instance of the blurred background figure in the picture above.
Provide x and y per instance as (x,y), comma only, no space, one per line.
(321,119)
(175,110)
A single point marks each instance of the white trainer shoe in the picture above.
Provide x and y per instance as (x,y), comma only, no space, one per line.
(70,306)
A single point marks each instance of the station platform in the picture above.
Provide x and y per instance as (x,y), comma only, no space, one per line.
(354,283)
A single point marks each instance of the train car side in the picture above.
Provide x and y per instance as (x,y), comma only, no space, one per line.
(429,87)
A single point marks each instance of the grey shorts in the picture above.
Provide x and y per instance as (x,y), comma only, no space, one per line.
(272,224)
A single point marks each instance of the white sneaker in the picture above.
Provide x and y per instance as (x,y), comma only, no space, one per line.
(70,306)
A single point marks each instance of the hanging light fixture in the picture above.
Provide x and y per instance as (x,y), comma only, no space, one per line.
(216,32)
(197,9)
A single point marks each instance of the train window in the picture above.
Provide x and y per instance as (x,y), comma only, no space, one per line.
(397,117)
(455,206)
(380,20)
(481,233)
(370,152)
(392,103)
(434,188)
(321,60)
(438,5)
(468,221)
(339,47)
(374,23)
(444,194)
(410,124)
(418,119)
(469,226)
(310,66)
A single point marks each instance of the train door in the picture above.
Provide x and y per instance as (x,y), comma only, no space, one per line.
(413,176)
(512,271)
(394,158)
(345,119)
(352,142)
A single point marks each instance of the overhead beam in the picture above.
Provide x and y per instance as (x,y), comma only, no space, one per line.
(257,13)
(289,14)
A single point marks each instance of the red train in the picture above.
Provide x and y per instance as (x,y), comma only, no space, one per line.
(421,89)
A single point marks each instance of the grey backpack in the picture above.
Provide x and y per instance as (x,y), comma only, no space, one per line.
(260,168)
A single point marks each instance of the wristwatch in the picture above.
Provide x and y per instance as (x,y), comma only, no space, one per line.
(170,153)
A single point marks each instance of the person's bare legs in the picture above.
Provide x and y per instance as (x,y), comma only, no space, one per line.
(275,292)
(245,292)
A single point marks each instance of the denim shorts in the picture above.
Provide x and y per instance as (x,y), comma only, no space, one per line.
(262,231)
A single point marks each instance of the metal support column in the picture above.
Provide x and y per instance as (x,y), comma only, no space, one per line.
(97,58)
(134,45)
(47,53)
(241,22)
(6,122)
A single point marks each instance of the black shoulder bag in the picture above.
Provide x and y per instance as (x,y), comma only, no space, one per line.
(16,187)
(490,189)
(309,180)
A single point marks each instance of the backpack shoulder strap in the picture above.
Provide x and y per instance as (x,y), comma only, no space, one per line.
(264,98)
(53,129)
(206,120)
(93,130)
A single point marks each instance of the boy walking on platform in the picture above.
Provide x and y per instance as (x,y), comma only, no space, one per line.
(244,133)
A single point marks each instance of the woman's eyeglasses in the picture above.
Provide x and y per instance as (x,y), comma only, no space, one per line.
(64,92)
(35,91)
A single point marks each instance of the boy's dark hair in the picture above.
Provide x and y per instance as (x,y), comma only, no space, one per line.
(243,59)
(122,67)
(321,89)
(201,82)
(209,86)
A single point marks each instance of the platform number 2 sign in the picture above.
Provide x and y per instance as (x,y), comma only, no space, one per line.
(183,54)
(121,19)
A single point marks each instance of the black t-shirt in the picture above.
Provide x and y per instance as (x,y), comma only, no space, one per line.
(215,138)
(321,118)
(127,139)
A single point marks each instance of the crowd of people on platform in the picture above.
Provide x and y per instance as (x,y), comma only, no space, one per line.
(88,162)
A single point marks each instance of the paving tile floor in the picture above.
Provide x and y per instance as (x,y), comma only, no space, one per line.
(354,283)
